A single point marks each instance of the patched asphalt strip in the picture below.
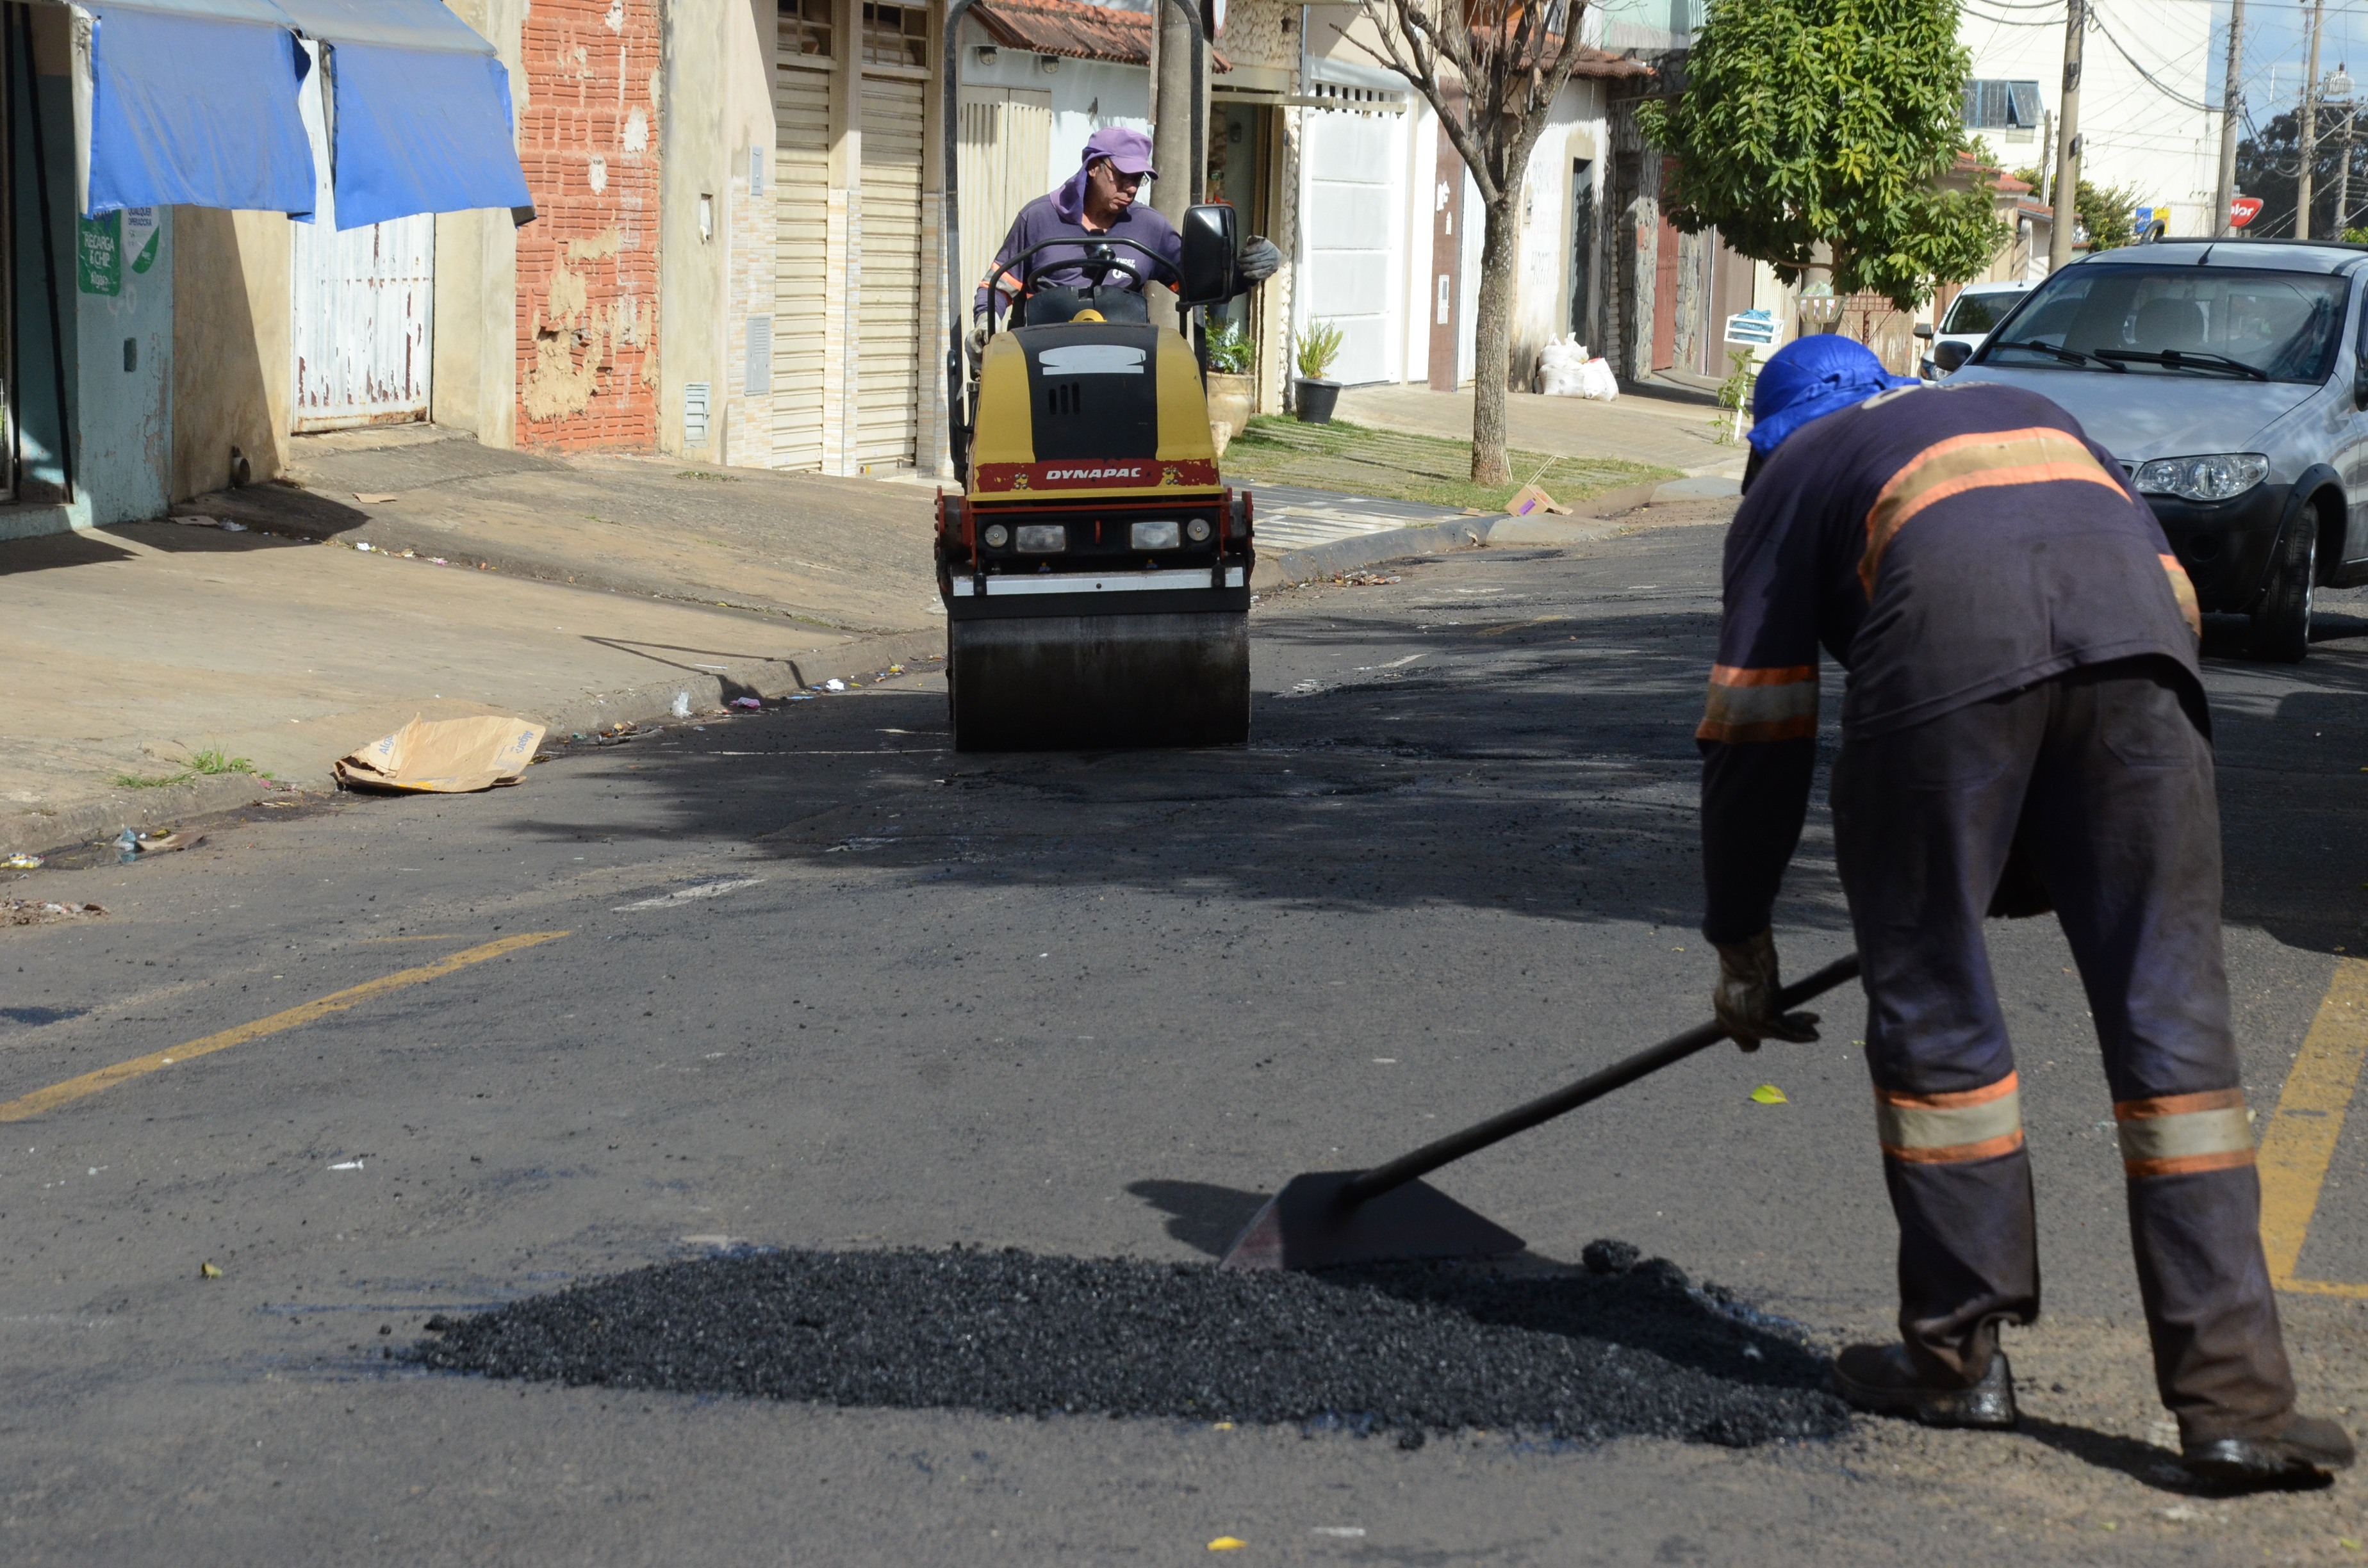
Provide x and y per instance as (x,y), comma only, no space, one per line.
(1630,1351)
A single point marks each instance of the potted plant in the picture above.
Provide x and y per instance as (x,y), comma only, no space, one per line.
(1314,393)
(1232,388)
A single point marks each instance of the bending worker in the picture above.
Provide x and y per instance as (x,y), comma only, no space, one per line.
(1097,203)
(2023,724)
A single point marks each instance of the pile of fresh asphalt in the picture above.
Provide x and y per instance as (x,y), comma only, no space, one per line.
(1625,1350)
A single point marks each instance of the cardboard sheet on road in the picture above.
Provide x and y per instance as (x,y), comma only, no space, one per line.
(449,756)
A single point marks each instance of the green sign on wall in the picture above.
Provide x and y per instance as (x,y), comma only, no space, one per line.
(102,241)
(98,255)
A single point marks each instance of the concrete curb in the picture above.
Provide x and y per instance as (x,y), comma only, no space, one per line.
(82,821)
(1602,517)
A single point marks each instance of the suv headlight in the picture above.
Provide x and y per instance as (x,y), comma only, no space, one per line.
(2219,477)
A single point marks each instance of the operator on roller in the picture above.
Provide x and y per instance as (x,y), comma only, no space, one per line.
(2023,726)
(1098,202)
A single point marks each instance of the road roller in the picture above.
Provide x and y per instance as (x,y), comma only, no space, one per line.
(1095,566)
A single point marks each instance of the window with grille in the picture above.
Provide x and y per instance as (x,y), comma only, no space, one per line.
(895,35)
(806,27)
(2001,106)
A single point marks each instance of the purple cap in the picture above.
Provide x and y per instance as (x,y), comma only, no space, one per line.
(1128,151)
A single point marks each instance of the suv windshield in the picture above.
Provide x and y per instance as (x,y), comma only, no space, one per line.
(2177,321)
(1978,313)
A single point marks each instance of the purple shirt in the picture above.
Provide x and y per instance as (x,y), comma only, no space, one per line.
(1044,219)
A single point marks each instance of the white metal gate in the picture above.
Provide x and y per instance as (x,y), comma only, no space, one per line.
(1355,201)
(801,254)
(363,304)
(888,369)
(1003,148)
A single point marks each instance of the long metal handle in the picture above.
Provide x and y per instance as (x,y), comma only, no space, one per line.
(1520,1119)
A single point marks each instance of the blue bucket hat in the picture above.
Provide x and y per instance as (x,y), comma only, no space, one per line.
(1810,378)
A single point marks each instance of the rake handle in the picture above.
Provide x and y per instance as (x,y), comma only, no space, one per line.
(1545,1107)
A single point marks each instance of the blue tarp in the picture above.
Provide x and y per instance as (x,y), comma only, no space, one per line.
(195,101)
(421,132)
(420,109)
(198,108)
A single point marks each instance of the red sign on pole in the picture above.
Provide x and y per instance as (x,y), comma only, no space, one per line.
(2243,210)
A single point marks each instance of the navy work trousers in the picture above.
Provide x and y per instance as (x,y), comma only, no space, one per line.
(2100,782)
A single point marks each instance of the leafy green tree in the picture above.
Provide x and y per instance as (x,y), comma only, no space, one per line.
(1832,122)
(2108,213)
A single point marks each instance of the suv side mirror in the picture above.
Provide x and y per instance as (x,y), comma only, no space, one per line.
(1209,246)
(1924,329)
(2359,378)
(1949,356)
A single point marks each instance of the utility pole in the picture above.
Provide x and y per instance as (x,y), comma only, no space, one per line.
(2232,110)
(2340,90)
(1172,151)
(2067,143)
(2309,125)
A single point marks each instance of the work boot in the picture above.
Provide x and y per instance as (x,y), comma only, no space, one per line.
(2299,1451)
(1881,1378)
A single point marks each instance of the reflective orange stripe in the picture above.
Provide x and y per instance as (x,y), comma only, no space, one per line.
(1983,460)
(1748,705)
(2182,589)
(1948,1129)
(2181,1134)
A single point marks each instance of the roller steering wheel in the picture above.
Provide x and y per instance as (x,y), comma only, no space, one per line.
(1097,263)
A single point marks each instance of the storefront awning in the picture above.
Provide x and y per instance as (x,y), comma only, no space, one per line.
(418,110)
(190,101)
(195,102)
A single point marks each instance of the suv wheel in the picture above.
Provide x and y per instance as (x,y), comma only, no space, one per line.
(2281,630)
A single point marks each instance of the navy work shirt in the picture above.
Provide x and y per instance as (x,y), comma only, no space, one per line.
(1945,545)
(1048,218)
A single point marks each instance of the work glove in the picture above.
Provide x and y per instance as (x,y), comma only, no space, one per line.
(1746,997)
(1257,260)
(977,344)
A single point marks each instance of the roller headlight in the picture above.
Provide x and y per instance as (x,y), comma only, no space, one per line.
(2220,477)
(997,536)
(1197,530)
(1043,539)
(1164,535)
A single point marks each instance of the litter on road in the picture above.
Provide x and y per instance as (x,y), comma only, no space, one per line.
(43,912)
(448,756)
(1407,1351)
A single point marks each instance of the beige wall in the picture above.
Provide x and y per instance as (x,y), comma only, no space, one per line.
(472,381)
(233,375)
(719,104)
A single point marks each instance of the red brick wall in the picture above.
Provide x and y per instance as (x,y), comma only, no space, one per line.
(587,265)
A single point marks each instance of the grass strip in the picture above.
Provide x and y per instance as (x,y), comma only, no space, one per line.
(1429,470)
(203,765)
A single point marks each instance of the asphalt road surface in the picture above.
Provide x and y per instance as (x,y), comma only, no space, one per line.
(806,981)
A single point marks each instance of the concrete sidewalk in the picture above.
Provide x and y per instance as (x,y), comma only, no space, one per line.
(848,554)
(1669,431)
(127,650)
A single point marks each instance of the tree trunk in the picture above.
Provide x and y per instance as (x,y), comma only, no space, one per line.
(1492,340)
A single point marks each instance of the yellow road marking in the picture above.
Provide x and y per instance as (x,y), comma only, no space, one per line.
(91,1083)
(2300,1142)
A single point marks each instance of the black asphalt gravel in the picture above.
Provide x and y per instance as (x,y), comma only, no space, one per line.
(1630,1350)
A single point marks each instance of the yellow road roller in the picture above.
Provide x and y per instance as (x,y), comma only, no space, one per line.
(1095,567)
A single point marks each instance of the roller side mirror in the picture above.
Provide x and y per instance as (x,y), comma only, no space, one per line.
(1209,246)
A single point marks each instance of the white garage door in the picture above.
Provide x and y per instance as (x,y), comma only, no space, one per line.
(1354,197)
(802,206)
(888,369)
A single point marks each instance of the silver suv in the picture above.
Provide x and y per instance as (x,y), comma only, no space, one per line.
(2230,379)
